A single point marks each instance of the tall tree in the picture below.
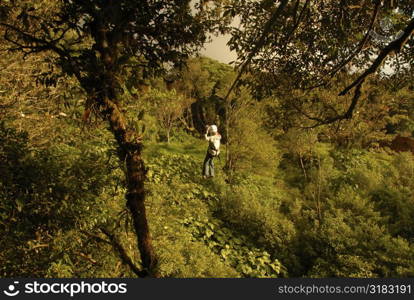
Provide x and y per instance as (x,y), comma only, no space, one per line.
(99,42)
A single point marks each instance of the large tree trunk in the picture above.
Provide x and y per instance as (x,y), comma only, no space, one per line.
(130,152)
(129,142)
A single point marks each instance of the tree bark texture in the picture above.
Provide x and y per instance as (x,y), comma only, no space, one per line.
(129,142)
(130,152)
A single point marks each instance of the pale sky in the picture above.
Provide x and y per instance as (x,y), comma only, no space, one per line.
(218,49)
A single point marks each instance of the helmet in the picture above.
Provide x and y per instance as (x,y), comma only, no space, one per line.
(213,128)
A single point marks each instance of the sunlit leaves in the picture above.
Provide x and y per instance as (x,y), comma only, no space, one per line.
(235,250)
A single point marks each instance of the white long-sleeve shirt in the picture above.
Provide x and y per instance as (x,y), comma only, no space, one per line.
(215,140)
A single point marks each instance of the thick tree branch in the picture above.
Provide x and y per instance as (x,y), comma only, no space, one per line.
(39,43)
(347,115)
(393,47)
(295,9)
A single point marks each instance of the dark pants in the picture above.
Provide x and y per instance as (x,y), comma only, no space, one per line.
(208,165)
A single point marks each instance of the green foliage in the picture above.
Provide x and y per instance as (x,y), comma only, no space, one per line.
(204,77)
(353,202)
(168,107)
(322,202)
(176,194)
(188,206)
(251,148)
(235,250)
(300,143)
(48,197)
(253,207)
(205,80)
(351,217)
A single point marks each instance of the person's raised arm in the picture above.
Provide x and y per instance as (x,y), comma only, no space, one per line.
(206,134)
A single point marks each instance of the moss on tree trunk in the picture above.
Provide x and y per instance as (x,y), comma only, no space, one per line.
(130,152)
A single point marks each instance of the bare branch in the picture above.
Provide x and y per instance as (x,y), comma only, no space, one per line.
(113,241)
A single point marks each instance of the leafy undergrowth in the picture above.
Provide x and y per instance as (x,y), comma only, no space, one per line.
(271,226)
(234,248)
(190,238)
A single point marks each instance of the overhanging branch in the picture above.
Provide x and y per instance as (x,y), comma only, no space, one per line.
(393,47)
(40,44)
(345,116)
(361,44)
(259,44)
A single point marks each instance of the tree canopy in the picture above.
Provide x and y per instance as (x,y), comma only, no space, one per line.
(307,43)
